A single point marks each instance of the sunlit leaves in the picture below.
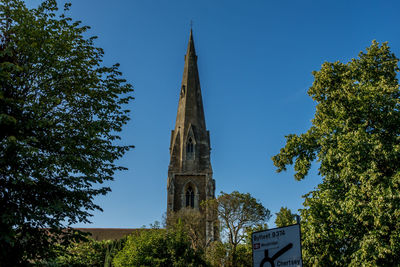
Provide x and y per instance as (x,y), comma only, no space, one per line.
(352,217)
(61,112)
(285,217)
(236,213)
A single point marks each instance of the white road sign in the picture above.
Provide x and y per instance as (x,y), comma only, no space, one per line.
(277,247)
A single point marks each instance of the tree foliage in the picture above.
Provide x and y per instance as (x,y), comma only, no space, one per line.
(158,247)
(285,217)
(89,253)
(112,248)
(352,217)
(85,253)
(60,114)
(236,213)
(192,221)
(218,253)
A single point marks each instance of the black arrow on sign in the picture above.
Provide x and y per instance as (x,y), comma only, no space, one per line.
(275,256)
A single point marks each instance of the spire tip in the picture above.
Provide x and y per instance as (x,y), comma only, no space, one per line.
(190,49)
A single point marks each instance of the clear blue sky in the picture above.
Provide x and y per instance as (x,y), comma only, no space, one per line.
(255,61)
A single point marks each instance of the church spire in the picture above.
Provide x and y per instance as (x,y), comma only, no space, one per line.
(190,146)
(190,179)
(190,48)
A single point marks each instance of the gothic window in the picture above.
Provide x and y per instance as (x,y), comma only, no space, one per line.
(190,148)
(190,197)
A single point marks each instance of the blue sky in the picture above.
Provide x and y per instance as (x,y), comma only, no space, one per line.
(255,61)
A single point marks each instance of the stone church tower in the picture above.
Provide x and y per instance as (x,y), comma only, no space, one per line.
(190,179)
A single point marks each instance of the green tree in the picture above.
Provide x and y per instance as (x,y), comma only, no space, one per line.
(158,247)
(112,248)
(85,253)
(236,212)
(192,221)
(89,253)
(217,254)
(352,217)
(285,217)
(60,114)
(244,257)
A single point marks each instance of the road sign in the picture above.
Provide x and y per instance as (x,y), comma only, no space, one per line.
(277,247)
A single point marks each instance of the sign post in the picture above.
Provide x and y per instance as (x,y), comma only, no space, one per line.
(277,247)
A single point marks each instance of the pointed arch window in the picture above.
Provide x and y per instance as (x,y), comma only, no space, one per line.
(190,148)
(190,197)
